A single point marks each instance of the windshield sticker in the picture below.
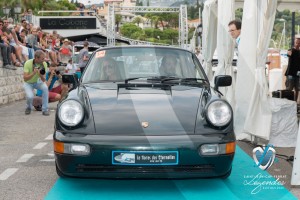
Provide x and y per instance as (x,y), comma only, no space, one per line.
(100,54)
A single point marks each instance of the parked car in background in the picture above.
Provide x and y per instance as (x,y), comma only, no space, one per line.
(144,112)
(234,60)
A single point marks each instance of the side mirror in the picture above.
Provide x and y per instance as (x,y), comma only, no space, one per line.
(222,81)
(70,78)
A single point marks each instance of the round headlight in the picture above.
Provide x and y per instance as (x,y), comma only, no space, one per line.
(219,113)
(70,112)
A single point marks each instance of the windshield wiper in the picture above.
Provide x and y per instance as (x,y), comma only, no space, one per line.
(150,78)
(134,78)
(163,79)
(184,79)
(169,78)
(194,79)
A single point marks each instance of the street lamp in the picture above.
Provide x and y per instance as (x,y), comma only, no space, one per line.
(17,11)
(282,34)
(6,11)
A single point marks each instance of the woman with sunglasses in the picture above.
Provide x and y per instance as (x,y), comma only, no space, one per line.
(110,70)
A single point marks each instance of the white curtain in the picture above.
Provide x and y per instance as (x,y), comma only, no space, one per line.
(253,115)
(209,34)
(225,46)
(259,116)
(245,67)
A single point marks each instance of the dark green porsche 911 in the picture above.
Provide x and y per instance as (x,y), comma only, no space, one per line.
(144,112)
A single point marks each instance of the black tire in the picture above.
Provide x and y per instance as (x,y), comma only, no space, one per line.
(59,173)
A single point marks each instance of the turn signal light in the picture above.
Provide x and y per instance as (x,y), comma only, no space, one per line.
(230,147)
(58,147)
(216,149)
(70,148)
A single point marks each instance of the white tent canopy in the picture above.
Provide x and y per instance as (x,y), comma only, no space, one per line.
(292,5)
(258,119)
(209,36)
(254,116)
(225,46)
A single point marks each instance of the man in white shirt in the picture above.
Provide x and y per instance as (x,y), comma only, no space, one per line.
(235,30)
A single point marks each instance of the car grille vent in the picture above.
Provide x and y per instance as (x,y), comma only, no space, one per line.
(147,169)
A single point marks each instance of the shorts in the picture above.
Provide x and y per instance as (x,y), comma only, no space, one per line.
(292,82)
(53,92)
(13,50)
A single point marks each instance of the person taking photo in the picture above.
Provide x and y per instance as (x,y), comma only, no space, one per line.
(34,78)
(60,90)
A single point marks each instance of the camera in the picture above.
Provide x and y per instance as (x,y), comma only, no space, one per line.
(42,70)
(57,72)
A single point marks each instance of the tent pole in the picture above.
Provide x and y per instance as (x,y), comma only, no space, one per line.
(293,30)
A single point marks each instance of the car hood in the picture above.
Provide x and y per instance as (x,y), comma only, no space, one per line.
(145,111)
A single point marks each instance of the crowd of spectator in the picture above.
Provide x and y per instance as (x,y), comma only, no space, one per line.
(19,41)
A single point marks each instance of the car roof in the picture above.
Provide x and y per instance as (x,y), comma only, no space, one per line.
(143,46)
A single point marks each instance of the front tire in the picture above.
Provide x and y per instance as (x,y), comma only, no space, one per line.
(59,173)
(227,174)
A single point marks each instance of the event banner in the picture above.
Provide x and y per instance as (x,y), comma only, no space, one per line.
(67,23)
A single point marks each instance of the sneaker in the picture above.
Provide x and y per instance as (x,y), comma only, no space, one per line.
(13,67)
(46,113)
(10,67)
(27,111)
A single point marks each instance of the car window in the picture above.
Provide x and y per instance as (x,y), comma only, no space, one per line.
(118,64)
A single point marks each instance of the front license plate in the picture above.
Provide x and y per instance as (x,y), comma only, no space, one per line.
(145,157)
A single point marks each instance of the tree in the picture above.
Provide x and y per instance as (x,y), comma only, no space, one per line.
(149,16)
(153,33)
(38,5)
(172,19)
(155,20)
(137,20)
(171,34)
(130,29)
(76,3)
(118,19)
(239,14)
(139,3)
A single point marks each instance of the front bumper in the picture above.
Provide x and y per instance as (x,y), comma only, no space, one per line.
(98,164)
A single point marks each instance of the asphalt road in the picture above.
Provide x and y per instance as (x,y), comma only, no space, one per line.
(27,169)
(26,157)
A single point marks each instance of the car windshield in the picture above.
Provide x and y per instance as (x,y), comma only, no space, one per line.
(131,63)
